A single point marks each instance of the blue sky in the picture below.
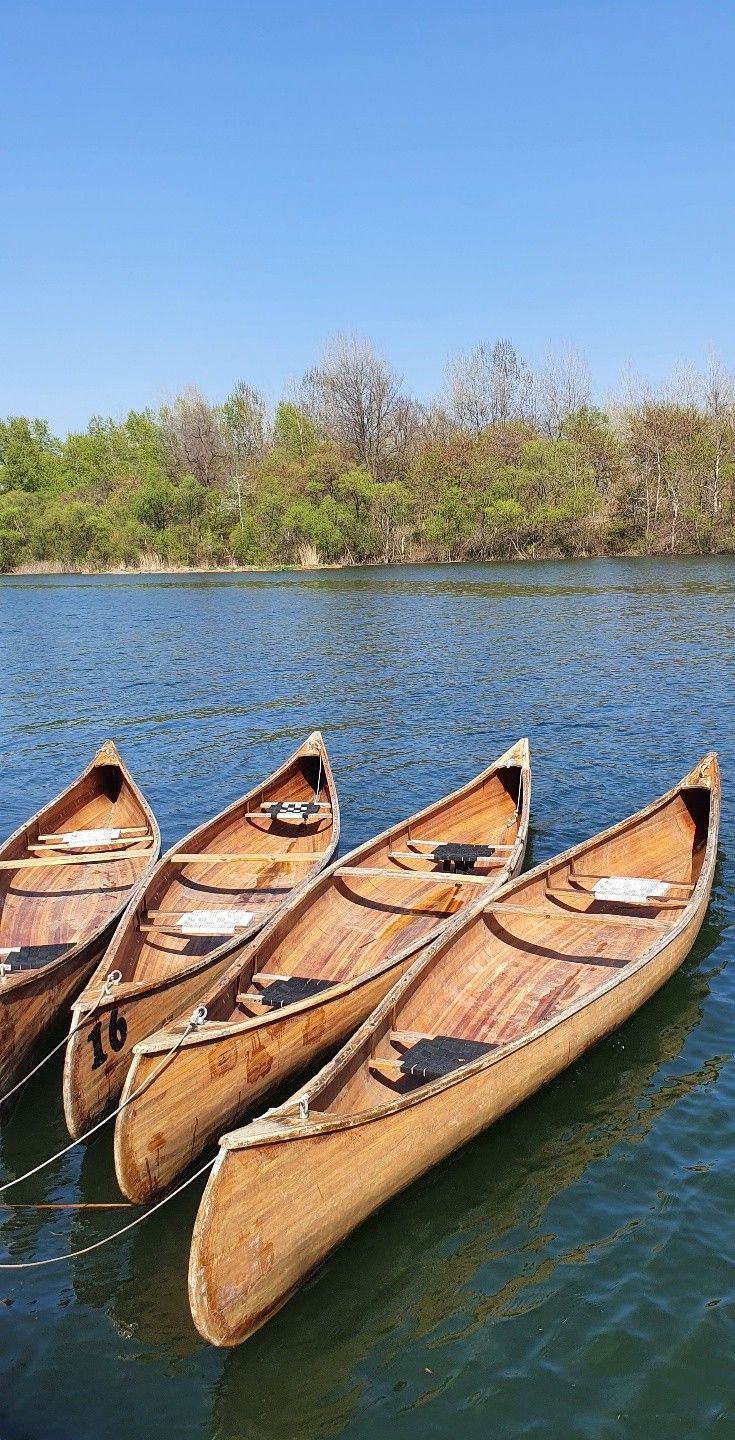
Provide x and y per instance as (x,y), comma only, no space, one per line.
(197,193)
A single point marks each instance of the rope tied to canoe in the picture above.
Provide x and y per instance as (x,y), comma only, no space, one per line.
(197,1018)
(98,1244)
(114,978)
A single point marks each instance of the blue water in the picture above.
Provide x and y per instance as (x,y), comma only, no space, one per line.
(569,1274)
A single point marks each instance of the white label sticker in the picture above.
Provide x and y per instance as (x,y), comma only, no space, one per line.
(73,838)
(214,922)
(627,889)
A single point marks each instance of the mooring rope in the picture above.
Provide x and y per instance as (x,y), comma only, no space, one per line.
(197,1018)
(113,978)
(87,1249)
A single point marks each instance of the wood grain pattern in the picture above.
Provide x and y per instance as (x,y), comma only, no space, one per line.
(538,982)
(351,928)
(77,905)
(163,971)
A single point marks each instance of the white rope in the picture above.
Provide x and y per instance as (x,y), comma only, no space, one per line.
(74,1254)
(194,1021)
(109,982)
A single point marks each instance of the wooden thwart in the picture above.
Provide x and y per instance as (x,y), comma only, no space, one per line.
(547,913)
(433,844)
(256,857)
(96,857)
(676,903)
(406,1039)
(126,831)
(389,1068)
(438,877)
(60,847)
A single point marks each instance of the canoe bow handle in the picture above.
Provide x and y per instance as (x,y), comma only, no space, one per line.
(303,1107)
(198,1016)
(114,978)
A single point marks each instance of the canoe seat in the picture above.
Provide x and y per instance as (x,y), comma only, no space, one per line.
(432,1056)
(32,957)
(454,855)
(291,989)
(626,889)
(292,810)
(629,889)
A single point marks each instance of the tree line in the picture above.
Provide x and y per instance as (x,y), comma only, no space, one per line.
(350,468)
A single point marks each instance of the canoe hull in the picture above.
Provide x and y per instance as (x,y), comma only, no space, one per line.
(161,1133)
(222,1073)
(285,1192)
(28,1013)
(98,1054)
(73,900)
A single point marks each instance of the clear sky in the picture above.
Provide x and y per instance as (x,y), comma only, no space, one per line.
(197,193)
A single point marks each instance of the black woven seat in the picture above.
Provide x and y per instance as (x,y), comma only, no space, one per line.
(459,857)
(32,957)
(292,988)
(293,810)
(438,1055)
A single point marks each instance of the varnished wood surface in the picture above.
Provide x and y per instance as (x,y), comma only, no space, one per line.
(530,975)
(237,864)
(52,897)
(353,927)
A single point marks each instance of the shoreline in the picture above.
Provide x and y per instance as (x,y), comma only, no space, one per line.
(41,569)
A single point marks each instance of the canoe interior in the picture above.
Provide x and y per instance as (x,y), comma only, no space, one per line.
(256,885)
(64,904)
(505,972)
(349,925)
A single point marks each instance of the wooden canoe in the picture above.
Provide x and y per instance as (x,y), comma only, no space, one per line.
(66,876)
(315,974)
(514,992)
(210,892)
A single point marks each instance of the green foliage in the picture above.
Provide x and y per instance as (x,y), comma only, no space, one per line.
(29,455)
(293,432)
(200,486)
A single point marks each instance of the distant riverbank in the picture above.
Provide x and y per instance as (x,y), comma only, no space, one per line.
(167,568)
(195,487)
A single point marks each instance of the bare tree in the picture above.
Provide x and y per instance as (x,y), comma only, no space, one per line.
(489,385)
(244,425)
(244,416)
(717,393)
(563,388)
(355,399)
(195,437)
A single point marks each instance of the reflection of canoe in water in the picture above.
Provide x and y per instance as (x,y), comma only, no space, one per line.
(513,993)
(317,971)
(215,888)
(65,878)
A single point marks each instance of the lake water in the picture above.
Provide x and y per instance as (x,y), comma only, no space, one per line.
(570,1273)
